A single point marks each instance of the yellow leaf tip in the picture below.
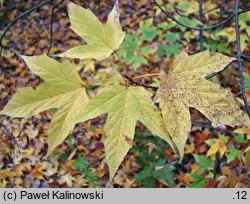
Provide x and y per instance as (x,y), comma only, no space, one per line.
(233,58)
(61,55)
(50,152)
(111,175)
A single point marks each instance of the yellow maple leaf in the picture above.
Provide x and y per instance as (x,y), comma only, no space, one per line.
(62,89)
(102,39)
(186,86)
(124,105)
(218,146)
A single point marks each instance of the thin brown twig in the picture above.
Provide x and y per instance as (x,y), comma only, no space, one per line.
(149,75)
(13,139)
(100,81)
(130,79)
(190,27)
(51,24)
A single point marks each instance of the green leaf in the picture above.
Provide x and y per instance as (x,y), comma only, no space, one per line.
(223,138)
(172,37)
(164,25)
(136,61)
(131,43)
(143,174)
(217,47)
(102,39)
(190,22)
(162,50)
(247,80)
(233,154)
(62,156)
(204,162)
(148,31)
(70,142)
(62,89)
(156,170)
(124,105)
(189,35)
(149,35)
(81,165)
(240,138)
(166,174)
(195,177)
(199,182)
(210,175)
(174,49)
(210,142)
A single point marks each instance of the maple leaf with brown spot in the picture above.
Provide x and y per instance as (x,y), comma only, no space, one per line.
(186,86)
